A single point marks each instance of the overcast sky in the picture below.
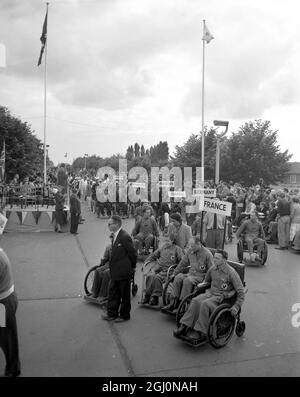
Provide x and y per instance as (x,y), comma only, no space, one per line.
(126,71)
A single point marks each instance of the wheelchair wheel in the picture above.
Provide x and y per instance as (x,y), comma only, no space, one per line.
(264,254)
(89,279)
(221,326)
(240,251)
(240,328)
(167,292)
(185,303)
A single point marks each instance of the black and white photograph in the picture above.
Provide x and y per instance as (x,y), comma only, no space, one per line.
(149,191)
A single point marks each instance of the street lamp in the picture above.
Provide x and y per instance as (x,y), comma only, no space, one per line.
(85,156)
(219,123)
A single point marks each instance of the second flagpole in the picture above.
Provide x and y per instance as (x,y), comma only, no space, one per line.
(45,108)
(202,124)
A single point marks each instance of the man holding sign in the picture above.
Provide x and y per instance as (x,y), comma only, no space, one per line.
(214,225)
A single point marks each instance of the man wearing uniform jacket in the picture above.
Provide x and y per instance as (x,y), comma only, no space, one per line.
(122,265)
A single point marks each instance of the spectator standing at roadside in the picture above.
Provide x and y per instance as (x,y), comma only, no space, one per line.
(295,219)
(75,211)
(59,209)
(284,211)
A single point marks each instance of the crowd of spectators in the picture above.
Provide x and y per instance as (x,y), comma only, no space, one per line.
(279,223)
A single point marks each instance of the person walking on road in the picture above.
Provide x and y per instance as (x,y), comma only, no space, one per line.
(122,265)
(284,211)
(8,324)
(75,211)
(59,209)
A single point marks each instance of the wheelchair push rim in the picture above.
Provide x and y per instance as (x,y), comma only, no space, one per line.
(89,279)
(240,251)
(221,326)
(167,292)
(183,308)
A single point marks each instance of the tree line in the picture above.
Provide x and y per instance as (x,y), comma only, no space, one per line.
(246,156)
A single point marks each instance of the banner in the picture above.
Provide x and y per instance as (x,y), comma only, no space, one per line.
(215,206)
(177,194)
(137,185)
(204,192)
(166,183)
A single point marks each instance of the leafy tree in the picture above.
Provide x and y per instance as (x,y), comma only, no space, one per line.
(189,155)
(136,150)
(253,153)
(23,150)
(130,153)
(159,153)
(142,151)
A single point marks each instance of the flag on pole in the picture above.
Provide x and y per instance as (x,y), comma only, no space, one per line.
(2,163)
(43,38)
(207,36)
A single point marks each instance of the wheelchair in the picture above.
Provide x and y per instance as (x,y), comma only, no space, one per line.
(142,253)
(88,284)
(145,271)
(242,247)
(222,324)
(168,289)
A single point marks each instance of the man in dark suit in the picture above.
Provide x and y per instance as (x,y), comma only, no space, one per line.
(75,211)
(122,264)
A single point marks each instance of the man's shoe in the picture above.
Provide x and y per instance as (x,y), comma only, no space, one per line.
(279,248)
(182,330)
(12,374)
(154,301)
(108,318)
(121,319)
(197,336)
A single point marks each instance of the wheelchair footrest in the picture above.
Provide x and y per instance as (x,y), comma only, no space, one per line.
(191,341)
(170,312)
(95,300)
(148,306)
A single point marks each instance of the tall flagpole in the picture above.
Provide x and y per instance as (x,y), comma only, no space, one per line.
(45,106)
(202,125)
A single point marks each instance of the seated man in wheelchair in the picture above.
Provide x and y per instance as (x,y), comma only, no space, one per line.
(169,254)
(224,283)
(198,259)
(144,231)
(253,233)
(102,277)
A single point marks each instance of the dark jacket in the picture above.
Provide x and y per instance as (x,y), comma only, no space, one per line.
(123,257)
(75,207)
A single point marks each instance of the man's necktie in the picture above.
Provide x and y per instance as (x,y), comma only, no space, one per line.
(215,222)
(112,236)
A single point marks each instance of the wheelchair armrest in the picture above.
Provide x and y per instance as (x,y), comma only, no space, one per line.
(201,288)
(146,263)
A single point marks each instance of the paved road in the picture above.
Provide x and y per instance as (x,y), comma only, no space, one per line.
(62,335)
